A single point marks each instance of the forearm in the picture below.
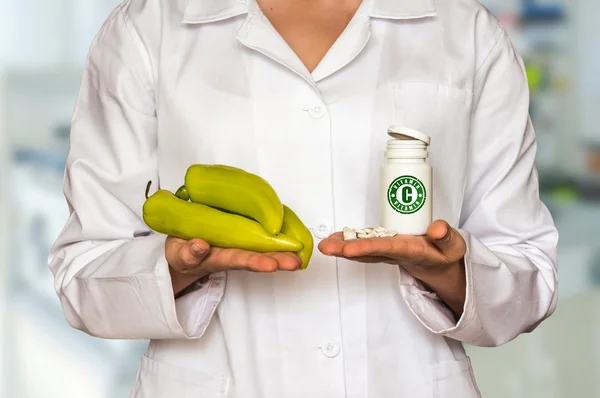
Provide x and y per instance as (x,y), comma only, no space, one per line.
(449,283)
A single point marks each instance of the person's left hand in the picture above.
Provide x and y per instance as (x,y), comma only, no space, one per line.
(439,249)
(436,259)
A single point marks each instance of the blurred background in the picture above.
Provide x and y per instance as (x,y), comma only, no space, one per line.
(43,45)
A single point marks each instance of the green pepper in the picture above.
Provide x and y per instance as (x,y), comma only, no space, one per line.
(236,191)
(166,213)
(182,193)
(295,228)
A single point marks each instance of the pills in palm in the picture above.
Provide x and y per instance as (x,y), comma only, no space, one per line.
(365,233)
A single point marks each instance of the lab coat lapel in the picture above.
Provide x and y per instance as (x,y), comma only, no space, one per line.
(258,33)
(348,46)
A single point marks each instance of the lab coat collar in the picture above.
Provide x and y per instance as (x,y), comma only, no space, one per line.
(403,9)
(205,11)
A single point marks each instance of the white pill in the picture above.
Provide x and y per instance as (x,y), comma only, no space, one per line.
(349,233)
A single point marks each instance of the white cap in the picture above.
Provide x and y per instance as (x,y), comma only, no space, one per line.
(404,133)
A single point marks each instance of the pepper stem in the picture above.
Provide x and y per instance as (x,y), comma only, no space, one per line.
(148,188)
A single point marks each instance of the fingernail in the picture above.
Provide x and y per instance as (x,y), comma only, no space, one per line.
(197,249)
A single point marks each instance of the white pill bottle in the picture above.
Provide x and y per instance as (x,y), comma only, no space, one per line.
(406,183)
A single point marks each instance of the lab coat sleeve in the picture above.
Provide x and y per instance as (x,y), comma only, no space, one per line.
(110,270)
(511,265)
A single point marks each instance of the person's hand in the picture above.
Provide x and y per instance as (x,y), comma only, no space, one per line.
(190,260)
(436,259)
(441,247)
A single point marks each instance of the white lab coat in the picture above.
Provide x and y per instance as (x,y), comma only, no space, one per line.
(169,83)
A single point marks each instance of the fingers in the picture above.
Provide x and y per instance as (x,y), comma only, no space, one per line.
(185,256)
(220,259)
(386,247)
(402,247)
(373,260)
(287,261)
(447,240)
(331,246)
(196,257)
(234,259)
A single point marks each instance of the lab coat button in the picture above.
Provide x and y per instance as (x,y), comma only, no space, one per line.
(316,112)
(331,350)
(322,231)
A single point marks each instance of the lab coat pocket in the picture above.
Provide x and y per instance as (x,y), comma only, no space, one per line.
(162,380)
(455,379)
(444,113)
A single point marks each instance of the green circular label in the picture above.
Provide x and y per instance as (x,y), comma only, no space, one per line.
(406,194)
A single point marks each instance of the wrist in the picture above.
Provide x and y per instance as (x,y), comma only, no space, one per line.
(181,281)
(435,274)
(448,282)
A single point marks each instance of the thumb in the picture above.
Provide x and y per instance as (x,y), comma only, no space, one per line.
(190,254)
(447,240)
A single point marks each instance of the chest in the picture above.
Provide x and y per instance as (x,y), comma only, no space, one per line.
(238,95)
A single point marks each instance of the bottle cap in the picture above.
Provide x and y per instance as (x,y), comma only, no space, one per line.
(404,133)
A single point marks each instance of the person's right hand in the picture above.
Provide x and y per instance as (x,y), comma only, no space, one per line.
(190,260)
